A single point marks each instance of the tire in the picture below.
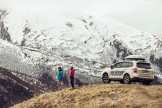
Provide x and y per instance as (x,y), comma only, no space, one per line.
(126,79)
(121,82)
(146,82)
(105,78)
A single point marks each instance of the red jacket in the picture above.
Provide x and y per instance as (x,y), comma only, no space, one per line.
(72,72)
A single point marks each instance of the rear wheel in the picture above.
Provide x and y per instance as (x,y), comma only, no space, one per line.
(126,79)
(121,82)
(146,82)
(105,78)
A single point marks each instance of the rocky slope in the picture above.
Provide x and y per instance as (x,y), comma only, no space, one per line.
(12,89)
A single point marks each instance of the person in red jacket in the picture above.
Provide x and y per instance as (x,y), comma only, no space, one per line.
(72,72)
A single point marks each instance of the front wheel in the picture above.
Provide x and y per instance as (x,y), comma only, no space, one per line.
(105,78)
(126,79)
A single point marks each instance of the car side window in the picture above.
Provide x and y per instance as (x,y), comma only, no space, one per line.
(125,64)
(118,65)
(130,64)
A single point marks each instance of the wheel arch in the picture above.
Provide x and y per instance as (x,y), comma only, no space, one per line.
(126,74)
(105,73)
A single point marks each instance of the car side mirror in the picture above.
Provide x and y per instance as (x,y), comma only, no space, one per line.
(112,67)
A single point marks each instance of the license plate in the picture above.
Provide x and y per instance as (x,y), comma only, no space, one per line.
(145,71)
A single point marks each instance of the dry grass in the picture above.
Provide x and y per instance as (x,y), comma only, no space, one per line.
(99,96)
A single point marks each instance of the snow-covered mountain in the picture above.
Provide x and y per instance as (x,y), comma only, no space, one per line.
(83,40)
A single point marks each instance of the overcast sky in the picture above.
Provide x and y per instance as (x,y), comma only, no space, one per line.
(145,15)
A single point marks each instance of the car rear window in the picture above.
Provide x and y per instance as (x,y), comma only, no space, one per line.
(144,65)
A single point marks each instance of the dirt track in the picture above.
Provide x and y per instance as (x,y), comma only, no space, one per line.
(99,96)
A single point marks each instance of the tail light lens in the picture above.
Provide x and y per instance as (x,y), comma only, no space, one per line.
(134,70)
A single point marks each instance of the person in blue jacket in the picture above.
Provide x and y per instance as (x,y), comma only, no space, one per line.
(60,75)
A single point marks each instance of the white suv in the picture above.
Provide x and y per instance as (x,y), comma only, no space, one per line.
(129,71)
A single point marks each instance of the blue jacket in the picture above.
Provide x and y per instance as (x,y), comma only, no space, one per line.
(60,75)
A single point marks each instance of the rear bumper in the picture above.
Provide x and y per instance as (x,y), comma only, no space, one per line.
(138,79)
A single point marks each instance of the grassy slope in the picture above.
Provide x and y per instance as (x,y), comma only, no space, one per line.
(99,96)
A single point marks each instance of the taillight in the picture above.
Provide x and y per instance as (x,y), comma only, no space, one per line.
(134,70)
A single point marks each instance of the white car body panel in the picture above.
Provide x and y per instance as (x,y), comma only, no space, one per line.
(118,73)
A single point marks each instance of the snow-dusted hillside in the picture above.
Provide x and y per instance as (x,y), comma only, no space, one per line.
(83,40)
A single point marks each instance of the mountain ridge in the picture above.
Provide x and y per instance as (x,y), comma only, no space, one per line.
(94,38)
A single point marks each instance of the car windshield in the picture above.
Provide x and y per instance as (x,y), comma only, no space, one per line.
(144,65)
